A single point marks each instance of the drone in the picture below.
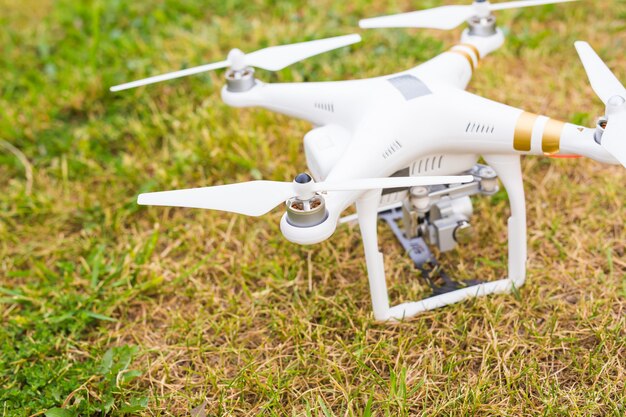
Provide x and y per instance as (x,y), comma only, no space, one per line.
(405,148)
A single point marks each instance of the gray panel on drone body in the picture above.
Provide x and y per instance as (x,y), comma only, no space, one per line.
(411,87)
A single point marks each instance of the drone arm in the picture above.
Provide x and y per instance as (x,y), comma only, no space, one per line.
(540,135)
(488,127)
(320,103)
(578,140)
(457,65)
(277,99)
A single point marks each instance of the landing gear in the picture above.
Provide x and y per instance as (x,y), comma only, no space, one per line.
(445,290)
(439,217)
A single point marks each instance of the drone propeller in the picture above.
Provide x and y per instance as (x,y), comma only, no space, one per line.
(273,58)
(613,94)
(447,17)
(255,198)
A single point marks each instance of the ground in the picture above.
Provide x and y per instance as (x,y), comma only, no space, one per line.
(110,308)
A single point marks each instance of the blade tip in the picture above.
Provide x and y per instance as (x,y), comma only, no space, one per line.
(350,39)
(582,46)
(142,199)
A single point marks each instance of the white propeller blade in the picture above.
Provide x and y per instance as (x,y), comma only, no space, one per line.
(273,58)
(255,198)
(171,75)
(613,94)
(444,18)
(391,182)
(252,198)
(447,17)
(276,58)
(524,3)
(602,80)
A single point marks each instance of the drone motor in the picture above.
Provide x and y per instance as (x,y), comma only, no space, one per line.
(239,81)
(483,23)
(306,211)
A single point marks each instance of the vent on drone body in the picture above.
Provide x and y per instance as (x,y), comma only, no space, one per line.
(393,147)
(329,107)
(479,127)
(428,164)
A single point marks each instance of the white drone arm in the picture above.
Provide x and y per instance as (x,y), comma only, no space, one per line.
(475,124)
(490,127)
(320,103)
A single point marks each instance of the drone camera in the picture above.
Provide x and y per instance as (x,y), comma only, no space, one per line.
(441,214)
(448,223)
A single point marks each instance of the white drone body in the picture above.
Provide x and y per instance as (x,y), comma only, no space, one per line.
(421,122)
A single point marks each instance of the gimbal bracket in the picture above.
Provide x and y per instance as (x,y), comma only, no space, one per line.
(423,258)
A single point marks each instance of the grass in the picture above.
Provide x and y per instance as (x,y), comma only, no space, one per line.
(109,308)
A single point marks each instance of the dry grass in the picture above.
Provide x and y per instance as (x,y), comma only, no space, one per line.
(231,317)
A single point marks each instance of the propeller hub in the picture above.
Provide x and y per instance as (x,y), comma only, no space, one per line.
(303,184)
(615,104)
(237,60)
(481,7)
(617,100)
(303,178)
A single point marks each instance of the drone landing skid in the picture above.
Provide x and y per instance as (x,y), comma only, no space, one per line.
(417,249)
(508,169)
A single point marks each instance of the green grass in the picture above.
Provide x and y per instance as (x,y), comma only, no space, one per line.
(109,308)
